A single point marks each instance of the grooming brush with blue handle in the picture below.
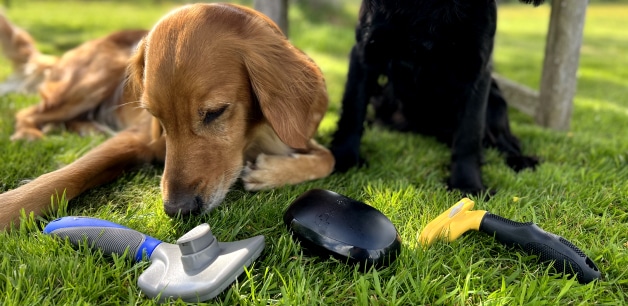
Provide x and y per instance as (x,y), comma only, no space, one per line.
(196,268)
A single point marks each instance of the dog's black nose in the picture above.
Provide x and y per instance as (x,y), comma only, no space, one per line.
(183,206)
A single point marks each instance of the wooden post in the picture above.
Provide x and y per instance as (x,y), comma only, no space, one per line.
(277,10)
(562,55)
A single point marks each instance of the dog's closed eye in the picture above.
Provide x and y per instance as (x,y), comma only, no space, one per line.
(211,115)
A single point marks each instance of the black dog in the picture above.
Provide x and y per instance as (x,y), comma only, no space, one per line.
(426,68)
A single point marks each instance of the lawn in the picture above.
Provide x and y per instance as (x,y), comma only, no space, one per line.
(580,190)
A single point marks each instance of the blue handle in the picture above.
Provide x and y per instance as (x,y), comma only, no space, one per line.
(107,236)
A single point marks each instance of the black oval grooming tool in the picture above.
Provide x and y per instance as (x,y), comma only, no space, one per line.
(327,223)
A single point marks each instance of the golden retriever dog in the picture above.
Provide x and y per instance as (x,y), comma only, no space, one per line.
(83,89)
(80,90)
(226,93)
(29,65)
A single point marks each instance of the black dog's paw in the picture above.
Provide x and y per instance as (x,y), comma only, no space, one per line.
(522,162)
(347,155)
(472,191)
(466,177)
(346,160)
(466,185)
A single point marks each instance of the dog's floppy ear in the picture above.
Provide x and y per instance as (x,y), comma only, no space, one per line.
(289,87)
(134,85)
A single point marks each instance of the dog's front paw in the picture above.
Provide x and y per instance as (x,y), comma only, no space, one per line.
(467,189)
(258,175)
(467,178)
(522,162)
(29,134)
(347,157)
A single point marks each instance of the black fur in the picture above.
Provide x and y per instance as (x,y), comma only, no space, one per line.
(426,68)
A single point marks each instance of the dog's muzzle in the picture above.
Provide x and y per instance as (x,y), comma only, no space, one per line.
(183,206)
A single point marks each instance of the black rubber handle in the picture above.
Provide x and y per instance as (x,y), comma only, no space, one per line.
(533,240)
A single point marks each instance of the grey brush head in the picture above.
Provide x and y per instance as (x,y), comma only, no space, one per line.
(198,267)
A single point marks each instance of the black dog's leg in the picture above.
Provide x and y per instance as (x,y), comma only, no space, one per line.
(466,156)
(498,133)
(345,145)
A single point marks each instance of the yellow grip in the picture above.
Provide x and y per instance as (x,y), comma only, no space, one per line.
(452,223)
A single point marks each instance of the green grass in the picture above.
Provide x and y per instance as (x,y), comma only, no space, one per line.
(580,190)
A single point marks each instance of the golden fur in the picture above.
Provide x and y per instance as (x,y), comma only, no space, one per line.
(29,65)
(83,89)
(221,87)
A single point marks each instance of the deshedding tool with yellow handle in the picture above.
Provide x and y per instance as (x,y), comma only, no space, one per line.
(459,219)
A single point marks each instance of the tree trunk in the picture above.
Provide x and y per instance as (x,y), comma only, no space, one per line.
(562,54)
